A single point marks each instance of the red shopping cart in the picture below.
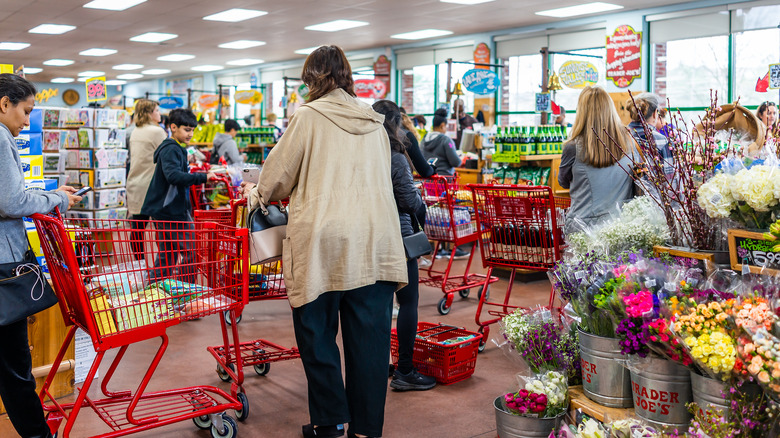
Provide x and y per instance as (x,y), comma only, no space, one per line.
(265,283)
(213,194)
(449,219)
(519,227)
(112,296)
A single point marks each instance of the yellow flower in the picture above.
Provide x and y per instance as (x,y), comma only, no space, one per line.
(706,349)
(691,341)
(696,352)
(714,363)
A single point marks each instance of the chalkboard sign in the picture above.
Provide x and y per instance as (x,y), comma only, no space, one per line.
(688,258)
(774,76)
(749,248)
(542,102)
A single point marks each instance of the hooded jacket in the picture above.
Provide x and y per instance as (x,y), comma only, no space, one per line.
(437,145)
(225,146)
(343,232)
(168,197)
(407,197)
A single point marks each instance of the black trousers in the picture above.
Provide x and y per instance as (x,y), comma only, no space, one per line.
(174,241)
(406,323)
(17,385)
(366,316)
(137,235)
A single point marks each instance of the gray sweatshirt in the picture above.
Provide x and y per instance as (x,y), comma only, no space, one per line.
(438,145)
(225,146)
(16,203)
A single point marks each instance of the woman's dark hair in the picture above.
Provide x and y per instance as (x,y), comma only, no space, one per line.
(392,113)
(325,70)
(183,117)
(16,88)
(420,120)
(231,124)
(439,117)
(762,108)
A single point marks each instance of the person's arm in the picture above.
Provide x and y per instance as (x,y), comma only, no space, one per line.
(407,198)
(449,152)
(282,168)
(229,150)
(567,162)
(420,165)
(15,202)
(171,168)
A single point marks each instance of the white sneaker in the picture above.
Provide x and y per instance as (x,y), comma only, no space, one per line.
(423,262)
(395,310)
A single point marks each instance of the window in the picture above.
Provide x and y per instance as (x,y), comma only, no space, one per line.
(525,80)
(458,70)
(423,78)
(686,70)
(753,52)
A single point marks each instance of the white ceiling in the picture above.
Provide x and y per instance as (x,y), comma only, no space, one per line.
(282,29)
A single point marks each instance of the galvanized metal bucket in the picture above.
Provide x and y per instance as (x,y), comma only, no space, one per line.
(604,379)
(661,390)
(709,394)
(515,426)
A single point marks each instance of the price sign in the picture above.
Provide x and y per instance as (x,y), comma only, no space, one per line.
(774,76)
(96,89)
(542,102)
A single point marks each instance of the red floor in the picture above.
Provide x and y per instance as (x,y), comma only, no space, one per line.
(278,403)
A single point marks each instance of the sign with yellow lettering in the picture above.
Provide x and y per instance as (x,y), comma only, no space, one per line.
(43,96)
(578,74)
(248,97)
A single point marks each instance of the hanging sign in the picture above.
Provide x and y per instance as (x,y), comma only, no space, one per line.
(253,80)
(482,56)
(774,76)
(481,81)
(43,96)
(624,56)
(96,89)
(542,102)
(382,72)
(6,68)
(171,102)
(303,91)
(578,74)
(249,97)
(207,101)
(370,88)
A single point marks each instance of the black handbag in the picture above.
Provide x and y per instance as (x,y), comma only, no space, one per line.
(417,244)
(24,290)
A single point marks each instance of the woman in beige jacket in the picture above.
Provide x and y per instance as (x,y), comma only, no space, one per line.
(144,140)
(343,255)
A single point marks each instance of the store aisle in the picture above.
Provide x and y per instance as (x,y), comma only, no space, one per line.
(278,400)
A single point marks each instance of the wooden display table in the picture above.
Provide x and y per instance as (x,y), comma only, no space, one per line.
(595,410)
(469,176)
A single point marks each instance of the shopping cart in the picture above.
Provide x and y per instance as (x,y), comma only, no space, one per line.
(213,194)
(449,219)
(265,283)
(519,227)
(113,297)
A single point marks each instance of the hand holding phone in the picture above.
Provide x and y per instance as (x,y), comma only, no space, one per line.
(82,191)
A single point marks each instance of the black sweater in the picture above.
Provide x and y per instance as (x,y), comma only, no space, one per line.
(168,196)
(407,198)
(418,161)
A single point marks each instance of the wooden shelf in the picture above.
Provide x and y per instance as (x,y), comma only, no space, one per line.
(546,157)
(562,192)
(595,410)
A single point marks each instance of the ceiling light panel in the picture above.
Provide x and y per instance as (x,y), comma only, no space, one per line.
(128,67)
(52,29)
(115,82)
(175,57)
(241,44)
(466,2)
(113,5)
(130,76)
(32,70)
(62,80)
(92,73)
(336,25)
(573,11)
(421,34)
(207,68)
(235,15)
(156,71)
(97,52)
(153,37)
(58,62)
(245,61)
(307,50)
(13,46)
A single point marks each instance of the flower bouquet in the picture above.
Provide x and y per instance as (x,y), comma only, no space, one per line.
(701,328)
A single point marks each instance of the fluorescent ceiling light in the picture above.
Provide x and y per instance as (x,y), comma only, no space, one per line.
(52,29)
(175,57)
(587,8)
(245,61)
(115,82)
(307,51)
(156,71)
(13,46)
(97,52)
(241,44)
(83,79)
(153,37)
(128,67)
(421,34)
(130,76)
(32,70)
(113,5)
(234,15)
(92,73)
(466,2)
(207,68)
(62,80)
(58,62)
(336,25)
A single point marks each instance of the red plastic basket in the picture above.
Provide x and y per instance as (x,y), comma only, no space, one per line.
(447,363)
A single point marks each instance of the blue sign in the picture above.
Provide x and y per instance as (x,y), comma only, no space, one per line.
(481,81)
(253,80)
(171,102)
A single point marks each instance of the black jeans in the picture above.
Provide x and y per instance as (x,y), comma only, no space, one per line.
(137,235)
(366,316)
(173,241)
(17,385)
(406,324)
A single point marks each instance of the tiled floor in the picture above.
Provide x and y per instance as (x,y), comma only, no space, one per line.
(278,400)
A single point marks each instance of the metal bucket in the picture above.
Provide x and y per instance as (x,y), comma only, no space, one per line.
(709,394)
(604,379)
(661,389)
(515,426)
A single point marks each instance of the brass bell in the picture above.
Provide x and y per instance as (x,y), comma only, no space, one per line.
(554,82)
(458,90)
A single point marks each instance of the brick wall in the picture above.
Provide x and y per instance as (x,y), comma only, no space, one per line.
(407,92)
(504,74)
(659,71)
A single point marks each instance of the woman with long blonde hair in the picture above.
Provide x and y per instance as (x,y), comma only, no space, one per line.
(595,160)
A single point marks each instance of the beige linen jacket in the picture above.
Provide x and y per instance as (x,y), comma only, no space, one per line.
(143,142)
(343,230)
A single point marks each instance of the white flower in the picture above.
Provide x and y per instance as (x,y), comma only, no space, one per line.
(715,196)
(590,429)
(757,186)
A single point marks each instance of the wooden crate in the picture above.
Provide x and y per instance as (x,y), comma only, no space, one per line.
(758,251)
(593,409)
(700,257)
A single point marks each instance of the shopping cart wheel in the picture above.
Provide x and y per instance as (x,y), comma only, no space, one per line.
(203,422)
(262,368)
(464,293)
(229,428)
(229,320)
(487,292)
(243,414)
(443,309)
(482,342)
(224,374)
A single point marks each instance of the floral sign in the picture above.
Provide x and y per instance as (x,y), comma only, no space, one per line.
(480,81)
(752,250)
(578,74)
(624,56)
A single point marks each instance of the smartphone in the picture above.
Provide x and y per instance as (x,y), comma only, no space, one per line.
(251,175)
(82,191)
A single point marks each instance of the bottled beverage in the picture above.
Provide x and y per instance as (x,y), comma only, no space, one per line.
(516,140)
(497,141)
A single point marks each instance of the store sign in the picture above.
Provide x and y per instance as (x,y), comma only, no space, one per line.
(480,81)
(253,80)
(96,89)
(624,56)
(382,72)
(774,76)
(43,96)
(208,101)
(6,68)
(370,88)
(303,91)
(578,74)
(482,56)
(542,102)
(249,97)
(171,102)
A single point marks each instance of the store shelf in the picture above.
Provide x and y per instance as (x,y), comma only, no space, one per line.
(200,143)
(562,192)
(595,410)
(545,157)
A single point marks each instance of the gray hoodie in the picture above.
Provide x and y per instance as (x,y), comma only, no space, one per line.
(16,203)
(225,146)
(437,145)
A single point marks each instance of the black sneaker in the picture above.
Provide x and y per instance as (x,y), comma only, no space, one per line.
(444,253)
(460,254)
(414,381)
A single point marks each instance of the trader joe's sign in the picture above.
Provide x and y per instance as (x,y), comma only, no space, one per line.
(578,74)
(370,88)
(624,56)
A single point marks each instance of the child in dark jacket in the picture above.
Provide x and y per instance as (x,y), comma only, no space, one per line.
(168,200)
